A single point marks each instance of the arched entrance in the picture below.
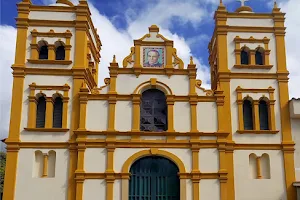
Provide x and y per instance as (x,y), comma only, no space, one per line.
(154,178)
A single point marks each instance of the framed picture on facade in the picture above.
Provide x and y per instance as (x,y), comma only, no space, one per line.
(153,57)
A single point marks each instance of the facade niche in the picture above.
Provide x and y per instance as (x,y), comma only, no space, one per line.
(259,167)
(44,164)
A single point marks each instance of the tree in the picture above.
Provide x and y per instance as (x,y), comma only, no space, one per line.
(2,170)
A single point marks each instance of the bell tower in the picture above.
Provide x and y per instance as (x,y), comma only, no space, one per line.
(248,64)
(57,53)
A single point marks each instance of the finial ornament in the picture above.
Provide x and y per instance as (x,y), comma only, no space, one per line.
(275,4)
(242,2)
(114,59)
(191,60)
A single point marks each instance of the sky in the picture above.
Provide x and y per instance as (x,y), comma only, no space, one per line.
(188,23)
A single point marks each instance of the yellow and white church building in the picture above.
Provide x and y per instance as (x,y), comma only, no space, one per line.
(151,132)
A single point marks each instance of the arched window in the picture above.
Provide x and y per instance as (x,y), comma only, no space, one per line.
(245,56)
(57,112)
(263,115)
(59,51)
(259,58)
(154,178)
(43,50)
(248,114)
(153,111)
(40,112)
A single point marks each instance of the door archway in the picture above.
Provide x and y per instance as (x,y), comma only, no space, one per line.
(154,178)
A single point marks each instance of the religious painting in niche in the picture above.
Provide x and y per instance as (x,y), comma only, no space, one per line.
(153,57)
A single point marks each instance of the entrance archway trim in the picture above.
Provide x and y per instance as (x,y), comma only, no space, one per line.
(153,152)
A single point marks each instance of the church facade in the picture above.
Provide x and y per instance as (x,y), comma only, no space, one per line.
(151,131)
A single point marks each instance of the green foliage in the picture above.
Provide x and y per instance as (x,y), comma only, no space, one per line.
(2,169)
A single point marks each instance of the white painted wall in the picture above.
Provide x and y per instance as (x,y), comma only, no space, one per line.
(210,189)
(121,155)
(94,189)
(185,155)
(182,117)
(97,115)
(231,48)
(295,123)
(207,117)
(44,80)
(95,160)
(117,190)
(259,189)
(250,22)
(189,189)
(127,83)
(209,160)
(123,116)
(49,188)
(61,16)
(259,138)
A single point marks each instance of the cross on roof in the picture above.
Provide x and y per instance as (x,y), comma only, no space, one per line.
(243,2)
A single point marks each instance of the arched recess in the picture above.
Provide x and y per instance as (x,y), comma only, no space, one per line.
(152,152)
(264,113)
(60,52)
(245,55)
(265,166)
(153,84)
(248,113)
(38,166)
(253,166)
(40,110)
(259,56)
(51,163)
(43,49)
(57,110)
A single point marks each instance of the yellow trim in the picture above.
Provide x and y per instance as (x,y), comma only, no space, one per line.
(288,152)
(66,2)
(45,166)
(83,105)
(49,113)
(193,107)
(111,114)
(253,66)
(109,177)
(17,101)
(224,108)
(50,62)
(170,103)
(127,164)
(31,125)
(158,85)
(258,167)
(256,121)
(136,100)
(255,103)
(129,59)
(195,173)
